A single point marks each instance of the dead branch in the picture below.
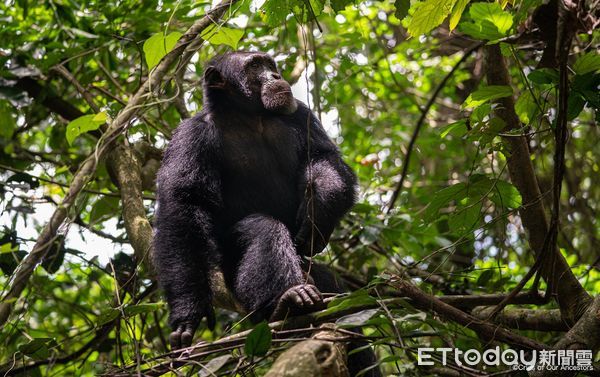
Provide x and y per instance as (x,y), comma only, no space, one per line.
(323,355)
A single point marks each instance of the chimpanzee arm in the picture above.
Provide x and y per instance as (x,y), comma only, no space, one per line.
(188,193)
(328,191)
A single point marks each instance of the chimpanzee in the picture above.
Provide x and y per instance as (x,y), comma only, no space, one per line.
(253,185)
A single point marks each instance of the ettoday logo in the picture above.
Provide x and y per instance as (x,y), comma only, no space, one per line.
(580,360)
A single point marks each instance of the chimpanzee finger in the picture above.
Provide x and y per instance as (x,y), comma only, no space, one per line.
(305,297)
(187,335)
(175,338)
(293,297)
(314,294)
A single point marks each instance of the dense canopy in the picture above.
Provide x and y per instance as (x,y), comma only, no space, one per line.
(472,127)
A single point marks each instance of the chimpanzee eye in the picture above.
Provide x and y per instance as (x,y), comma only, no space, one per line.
(255,64)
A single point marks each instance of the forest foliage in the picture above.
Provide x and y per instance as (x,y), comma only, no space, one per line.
(472,126)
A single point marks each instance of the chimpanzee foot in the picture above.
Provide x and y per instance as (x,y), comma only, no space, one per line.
(299,299)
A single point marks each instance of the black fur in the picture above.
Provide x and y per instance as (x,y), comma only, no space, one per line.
(252,183)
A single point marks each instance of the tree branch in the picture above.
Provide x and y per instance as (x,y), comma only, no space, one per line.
(570,295)
(487,331)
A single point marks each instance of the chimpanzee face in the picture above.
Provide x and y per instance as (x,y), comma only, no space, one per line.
(251,78)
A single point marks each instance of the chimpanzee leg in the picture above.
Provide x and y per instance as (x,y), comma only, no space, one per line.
(268,275)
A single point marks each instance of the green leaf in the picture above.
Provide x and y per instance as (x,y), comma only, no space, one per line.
(133,310)
(488,21)
(275,12)
(107,316)
(485,277)
(159,45)
(493,13)
(465,217)
(222,36)
(356,319)
(84,124)
(38,348)
(587,63)
(486,132)
(258,341)
(487,93)
(457,12)
(8,248)
(356,298)
(506,195)
(575,105)
(428,15)
(460,125)
(104,207)
(443,197)
(402,7)
(526,108)
(543,76)
(8,125)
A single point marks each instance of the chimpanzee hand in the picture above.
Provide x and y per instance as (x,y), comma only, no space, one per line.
(184,329)
(299,299)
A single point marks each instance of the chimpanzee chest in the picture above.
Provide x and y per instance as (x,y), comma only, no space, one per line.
(261,170)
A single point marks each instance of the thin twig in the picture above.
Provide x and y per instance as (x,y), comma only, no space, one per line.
(421,121)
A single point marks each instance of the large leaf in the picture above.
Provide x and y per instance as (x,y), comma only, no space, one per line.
(506,195)
(526,107)
(428,15)
(587,63)
(356,319)
(357,298)
(466,217)
(222,35)
(543,76)
(258,341)
(103,208)
(487,93)
(488,22)
(84,124)
(457,12)
(493,13)
(38,348)
(107,315)
(443,197)
(159,45)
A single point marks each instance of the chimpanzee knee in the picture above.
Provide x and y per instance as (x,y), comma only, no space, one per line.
(268,263)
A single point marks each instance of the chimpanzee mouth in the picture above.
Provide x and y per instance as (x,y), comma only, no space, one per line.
(277,96)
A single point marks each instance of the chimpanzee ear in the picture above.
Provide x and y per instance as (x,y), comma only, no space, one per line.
(213,78)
